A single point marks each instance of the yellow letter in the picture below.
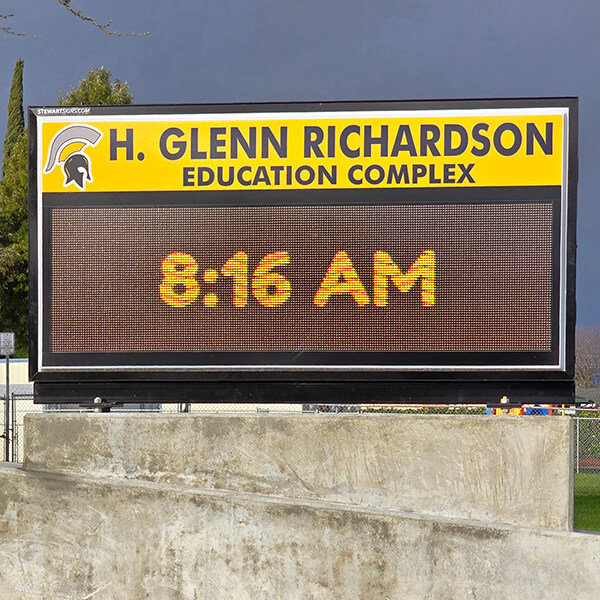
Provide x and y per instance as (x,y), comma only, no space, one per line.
(384,268)
(341,278)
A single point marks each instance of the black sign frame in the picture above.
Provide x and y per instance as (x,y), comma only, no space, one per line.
(448,377)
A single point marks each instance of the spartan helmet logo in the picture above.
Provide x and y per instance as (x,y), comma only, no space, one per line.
(66,149)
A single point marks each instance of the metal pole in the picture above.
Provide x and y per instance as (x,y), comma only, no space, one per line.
(7,414)
(577,437)
(15,437)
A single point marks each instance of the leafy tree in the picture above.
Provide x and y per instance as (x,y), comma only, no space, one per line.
(14,255)
(13,220)
(97,88)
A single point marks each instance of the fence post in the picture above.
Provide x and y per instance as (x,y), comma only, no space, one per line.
(14,440)
(577,438)
(7,412)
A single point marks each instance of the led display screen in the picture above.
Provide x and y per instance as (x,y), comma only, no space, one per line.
(302,278)
(372,242)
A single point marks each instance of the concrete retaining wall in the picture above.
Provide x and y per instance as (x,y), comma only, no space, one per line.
(307,508)
(499,469)
(70,538)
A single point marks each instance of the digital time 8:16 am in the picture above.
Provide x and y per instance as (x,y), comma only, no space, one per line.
(180,287)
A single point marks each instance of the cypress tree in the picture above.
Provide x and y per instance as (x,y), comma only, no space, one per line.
(16,119)
(13,220)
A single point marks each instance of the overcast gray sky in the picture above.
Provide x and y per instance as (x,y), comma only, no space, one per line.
(267,50)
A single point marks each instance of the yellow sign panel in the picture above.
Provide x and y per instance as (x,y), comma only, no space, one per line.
(363,149)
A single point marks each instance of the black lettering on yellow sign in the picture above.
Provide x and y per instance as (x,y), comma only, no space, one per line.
(126,144)
(274,175)
(428,139)
(224,142)
(411,174)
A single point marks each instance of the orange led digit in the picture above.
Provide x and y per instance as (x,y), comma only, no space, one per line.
(179,286)
(268,287)
(237,268)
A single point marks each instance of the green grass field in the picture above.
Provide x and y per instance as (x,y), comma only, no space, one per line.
(587,501)
(587,484)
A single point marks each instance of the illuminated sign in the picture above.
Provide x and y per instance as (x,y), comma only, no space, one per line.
(326,247)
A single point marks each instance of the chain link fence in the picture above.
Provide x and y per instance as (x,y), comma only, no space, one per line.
(587,453)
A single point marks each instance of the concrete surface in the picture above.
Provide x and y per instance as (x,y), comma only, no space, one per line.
(65,537)
(515,470)
(184,507)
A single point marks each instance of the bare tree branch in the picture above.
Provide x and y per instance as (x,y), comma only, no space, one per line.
(587,356)
(106,27)
(11,31)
